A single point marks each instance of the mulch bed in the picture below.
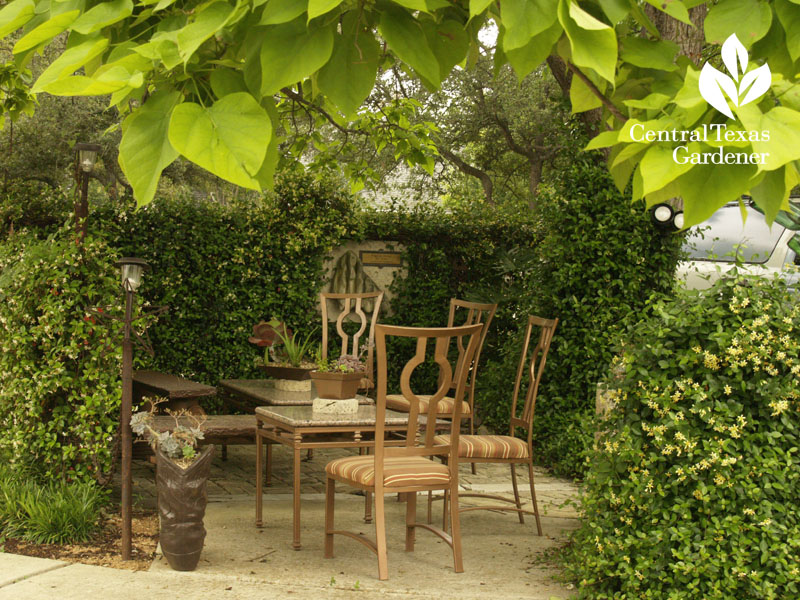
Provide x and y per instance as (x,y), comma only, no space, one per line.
(104,548)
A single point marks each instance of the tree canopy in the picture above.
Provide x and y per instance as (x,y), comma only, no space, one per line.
(200,79)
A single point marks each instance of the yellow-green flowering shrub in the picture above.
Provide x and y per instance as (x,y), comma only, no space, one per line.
(693,486)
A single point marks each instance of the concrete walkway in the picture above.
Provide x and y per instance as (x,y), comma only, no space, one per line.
(502,558)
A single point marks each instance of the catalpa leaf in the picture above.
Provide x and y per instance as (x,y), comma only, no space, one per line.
(291,52)
(145,150)
(228,139)
(349,76)
(407,40)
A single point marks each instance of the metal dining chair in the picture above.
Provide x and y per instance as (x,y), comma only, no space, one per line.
(409,469)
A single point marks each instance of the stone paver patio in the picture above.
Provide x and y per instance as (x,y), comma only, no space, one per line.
(234,479)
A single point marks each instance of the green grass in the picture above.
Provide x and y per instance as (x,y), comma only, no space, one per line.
(50,513)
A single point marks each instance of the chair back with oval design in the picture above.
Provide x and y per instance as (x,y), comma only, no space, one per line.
(354,307)
(427,340)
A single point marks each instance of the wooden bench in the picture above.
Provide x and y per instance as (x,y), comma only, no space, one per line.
(181,393)
(217,429)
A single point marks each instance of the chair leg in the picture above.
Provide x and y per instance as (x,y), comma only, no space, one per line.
(516,491)
(455,526)
(533,499)
(330,495)
(367,494)
(430,507)
(445,505)
(268,478)
(411,520)
(380,537)
(224,452)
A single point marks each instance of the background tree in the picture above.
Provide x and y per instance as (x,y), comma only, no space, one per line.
(205,76)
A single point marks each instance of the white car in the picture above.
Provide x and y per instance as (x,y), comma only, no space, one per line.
(714,244)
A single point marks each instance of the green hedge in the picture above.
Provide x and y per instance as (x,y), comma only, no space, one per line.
(599,263)
(59,364)
(584,256)
(221,268)
(692,490)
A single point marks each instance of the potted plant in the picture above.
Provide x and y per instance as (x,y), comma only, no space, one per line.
(181,477)
(284,353)
(338,379)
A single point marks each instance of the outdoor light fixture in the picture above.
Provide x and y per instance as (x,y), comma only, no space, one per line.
(132,269)
(661,214)
(87,155)
(666,217)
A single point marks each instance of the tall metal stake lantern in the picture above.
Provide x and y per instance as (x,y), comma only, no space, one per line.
(131,270)
(85,158)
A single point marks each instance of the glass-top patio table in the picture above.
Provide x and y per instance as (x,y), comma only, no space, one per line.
(299,428)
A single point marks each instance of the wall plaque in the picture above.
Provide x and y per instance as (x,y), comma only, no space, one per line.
(381,258)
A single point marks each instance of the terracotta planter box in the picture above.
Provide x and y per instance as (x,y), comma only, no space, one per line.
(281,372)
(336,386)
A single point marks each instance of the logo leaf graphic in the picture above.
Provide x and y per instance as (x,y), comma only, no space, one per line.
(761,79)
(731,50)
(752,86)
(712,83)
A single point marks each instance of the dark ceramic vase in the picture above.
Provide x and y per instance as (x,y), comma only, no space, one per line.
(182,498)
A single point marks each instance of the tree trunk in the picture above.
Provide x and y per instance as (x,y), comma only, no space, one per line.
(689,39)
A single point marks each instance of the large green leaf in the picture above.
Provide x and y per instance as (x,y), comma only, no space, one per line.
(349,76)
(748,19)
(15,15)
(70,61)
(593,43)
(783,125)
(266,174)
(407,40)
(789,16)
(603,140)
(476,7)
(705,188)
(102,15)
(205,24)
(292,52)
(523,19)
(582,98)
(658,169)
(110,81)
(771,193)
(228,139)
(535,52)
(46,31)
(615,10)
(413,4)
(145,150)
(649,54)
(282,11)
(448,41)
(320,7)
(227,81)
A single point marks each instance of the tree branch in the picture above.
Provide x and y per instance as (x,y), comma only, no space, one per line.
(593,88)
(464,167)
(309,106)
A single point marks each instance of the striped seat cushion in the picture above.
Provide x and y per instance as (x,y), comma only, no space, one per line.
(445,406)
(397,470)
(487,446)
